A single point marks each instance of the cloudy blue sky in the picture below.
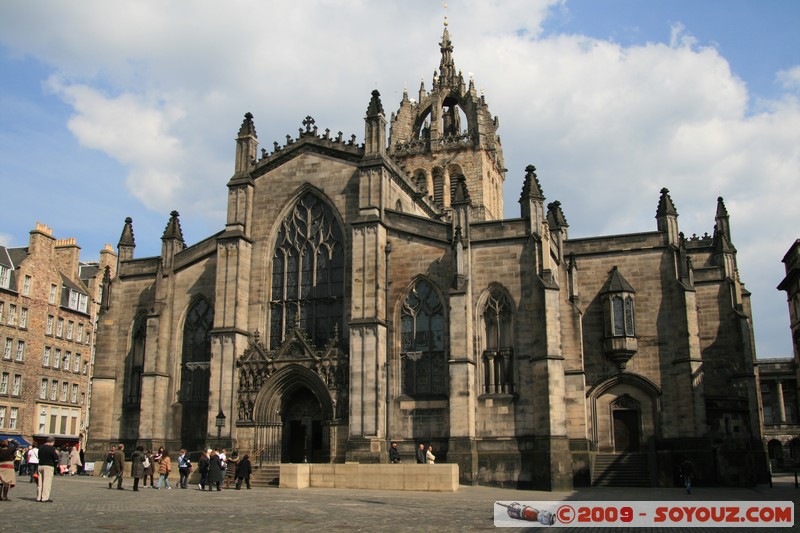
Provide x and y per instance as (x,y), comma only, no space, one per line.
(115,109)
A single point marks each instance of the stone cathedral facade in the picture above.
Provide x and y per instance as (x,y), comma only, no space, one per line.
(361,294)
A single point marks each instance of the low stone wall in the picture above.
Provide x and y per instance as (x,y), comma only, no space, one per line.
(437,478)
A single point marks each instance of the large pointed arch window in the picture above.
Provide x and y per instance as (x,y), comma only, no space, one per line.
(133,384)
(498,367)
(308,274)
(424,369)
(196,356)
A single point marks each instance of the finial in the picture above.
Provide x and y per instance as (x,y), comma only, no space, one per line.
(444,5)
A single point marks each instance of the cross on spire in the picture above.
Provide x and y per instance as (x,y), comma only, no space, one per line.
(308,122)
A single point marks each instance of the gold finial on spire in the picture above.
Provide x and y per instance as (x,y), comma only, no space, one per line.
(444,5)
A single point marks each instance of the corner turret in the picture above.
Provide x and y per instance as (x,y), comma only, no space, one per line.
(172,241)
(667,218)
(126,243)
(375,127)
(246,144)
(531,201)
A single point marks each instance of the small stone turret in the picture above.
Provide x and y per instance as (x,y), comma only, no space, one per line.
(375,127)
(531,201)
(126,243)
(246,144)
(172,241)
(724,251)
(667,218)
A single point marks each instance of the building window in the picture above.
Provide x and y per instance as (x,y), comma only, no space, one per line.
(77,301)
(12,315)
(20,351)
(64,391)
(5,277)
(622,316)
(424,368)
(195,366)
(66,361)
(79,333)
(43,389)
(619,319)
(85,367)
(2,309)
(57,359)
(76,363)
(70,329)
(60,328)
(42,420)
(7,349)
(498,367)
(12,419)
(133,385)
(49,330)
(17,387)
(46,356)
(26,286)
(53,293)
(74,395)
(4,383)
(308,275)
(23,318)
(2,416)
(53,390)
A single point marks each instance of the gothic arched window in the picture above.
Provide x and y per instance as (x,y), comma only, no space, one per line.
(133,383)
(308,274)
(498,368)
(424,368)
(196,357)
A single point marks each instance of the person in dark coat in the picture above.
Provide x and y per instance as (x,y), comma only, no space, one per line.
(150,470)
(8,453)
(394,454)
(48,460)
(243,470)
(421,455)
(202,467)
(117,467)
(137,466)
(214,471)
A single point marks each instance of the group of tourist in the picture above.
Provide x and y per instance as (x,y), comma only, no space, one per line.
(423,456)
(41,463)
(214,467)
(70,460)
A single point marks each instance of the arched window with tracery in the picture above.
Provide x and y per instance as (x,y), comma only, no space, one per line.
(498,355)
(196,356)
(422,353)
(133,384)
(308,274)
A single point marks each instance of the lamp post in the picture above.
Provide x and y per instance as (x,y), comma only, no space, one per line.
(220,425)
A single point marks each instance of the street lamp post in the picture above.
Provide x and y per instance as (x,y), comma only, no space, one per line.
(220,425)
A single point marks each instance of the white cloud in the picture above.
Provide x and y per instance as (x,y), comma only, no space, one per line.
(163,92)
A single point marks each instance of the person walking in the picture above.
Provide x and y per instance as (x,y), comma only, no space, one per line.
(8,479)
(184,469)
(243,471)
(48,460)
(63,460)
(18,461)
(202,466)
(215,471)
(109,461)
(421,454)
(687,473)
(117,467)
(150,469)
(394,454)
(33,462)
(429,456)
(164,468)
(137,466)
(74,460)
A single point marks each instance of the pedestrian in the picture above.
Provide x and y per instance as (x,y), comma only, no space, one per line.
(243,471)
(202,466)
(429,456)
(149,469)
(230,470)
(48,460)
(184,469)
(214,471)
(421,454)
(137,466)
(18,456)
(8,479)
(223,462)
(117,467)
(394,454)
(33,462)
(63,460)
(687,473)
(74,460)
(164,468)
(109,461)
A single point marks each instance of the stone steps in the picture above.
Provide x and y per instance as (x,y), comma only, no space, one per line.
(621,470)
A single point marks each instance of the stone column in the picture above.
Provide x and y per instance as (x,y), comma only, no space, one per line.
(780,402)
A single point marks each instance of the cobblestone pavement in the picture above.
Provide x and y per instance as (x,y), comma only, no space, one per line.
(86,504)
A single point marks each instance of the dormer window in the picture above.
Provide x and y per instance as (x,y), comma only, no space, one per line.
(78,301)
(619,318)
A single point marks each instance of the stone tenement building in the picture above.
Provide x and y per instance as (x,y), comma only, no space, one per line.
(47,310)
(366,293)
(779,378)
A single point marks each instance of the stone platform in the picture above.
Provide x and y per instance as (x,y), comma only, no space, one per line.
(435,478)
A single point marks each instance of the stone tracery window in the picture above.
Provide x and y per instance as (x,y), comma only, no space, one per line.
(498,368)
(424,368)
(133,383)
(196,357)
(308,274)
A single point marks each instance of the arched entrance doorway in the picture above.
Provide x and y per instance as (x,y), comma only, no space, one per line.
(302,428)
